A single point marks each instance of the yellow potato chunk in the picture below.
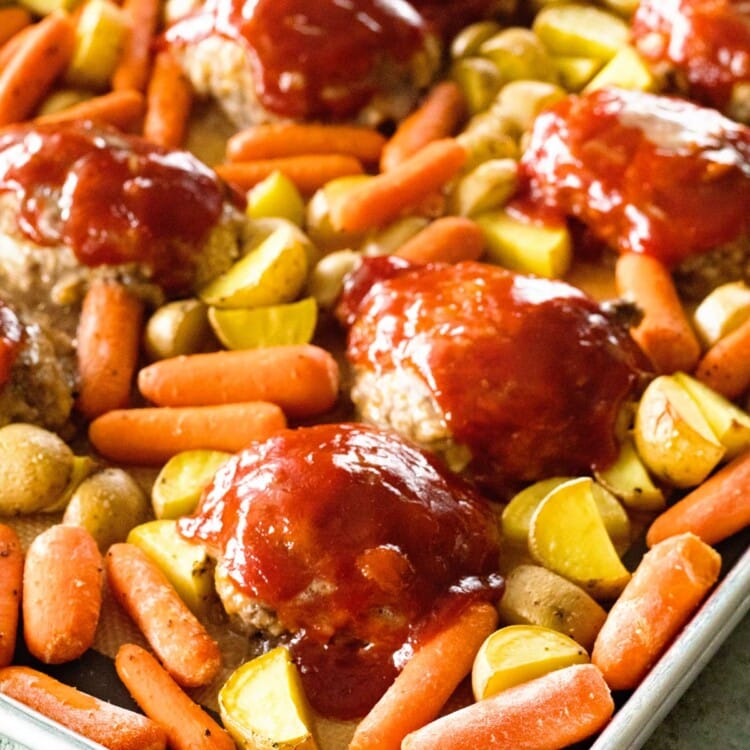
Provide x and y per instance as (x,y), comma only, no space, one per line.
(519,653)
(568,536)
(263,706)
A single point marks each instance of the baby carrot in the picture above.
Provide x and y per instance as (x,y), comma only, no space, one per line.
(712,511)
(426,682)
(187,725)
(177,637)
(41,56)
(62,593)
(664,333)
(169,97)
(123,109)
(134,66)
(11,577)
(307,171)
(12,20)
(669,583)
(113,727)
(9,48)
(388,195)
(551,712)
(108,340)
(448,239)
(438,116)
(725,367)
(151,436)
(303,380)
(277,139)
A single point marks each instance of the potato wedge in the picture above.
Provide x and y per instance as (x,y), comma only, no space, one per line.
(519,653)
(721,311)
(672,436)
(568,536)
(628,480)
(276,196)
(534,595)
(182,479)
(263,706)
(271,274)
(729,423)
(272,325)
(176,328)
(186,564)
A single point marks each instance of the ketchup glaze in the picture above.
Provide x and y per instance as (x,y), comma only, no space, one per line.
(112,198)
(354,537)
(312,59)
(529,373)
(644,173)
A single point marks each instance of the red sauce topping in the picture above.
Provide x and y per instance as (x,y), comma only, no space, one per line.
(352,536)
(645,173)
(448,17)
(11,336)
(313,59)
(112,198)
(530,373)
(707,41)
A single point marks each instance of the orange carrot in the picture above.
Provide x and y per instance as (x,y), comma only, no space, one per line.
(712,511)
(449,239)
(9,48)
(303,380)
(307,171)
(388,195)
(134,66)
(11,577)
(438,116)
(41,56)
(273,140)
(169,99)
(123,109)
(62,593)
(551,712)
(108,340)
(177,637)
(151,436)
(12,20)
(426,682)
(111,726)
(665,589)
(187,725)
(664,333)
(725,367)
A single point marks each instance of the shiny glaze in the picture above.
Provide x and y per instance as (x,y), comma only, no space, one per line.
(11,339)
(706,41)
(112,198)
(353,537)
(645,173)
(312,59)
(530,373)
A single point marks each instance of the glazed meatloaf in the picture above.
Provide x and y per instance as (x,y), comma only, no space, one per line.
(79,201)
(511,378)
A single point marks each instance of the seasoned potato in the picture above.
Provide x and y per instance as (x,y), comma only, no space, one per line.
(534,595)
(567,535)
(179,327)
(673,437)
(108,504)
(519,653)
(35,468)
(263,706)
(186,565)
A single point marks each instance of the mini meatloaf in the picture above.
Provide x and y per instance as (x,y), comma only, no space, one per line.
(648,174)
(263,60)
(352,542)
(77,201)
(701,46)
(511,378)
